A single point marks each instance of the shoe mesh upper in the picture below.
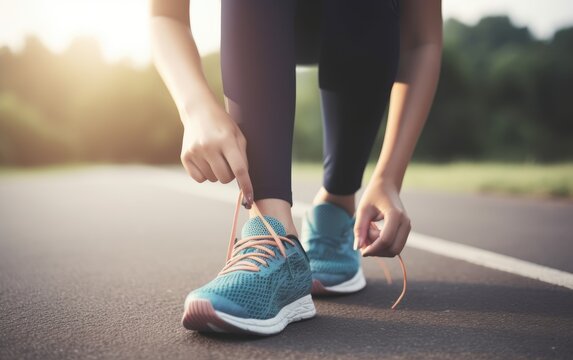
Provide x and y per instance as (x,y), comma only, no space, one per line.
(328,238)
(262,294)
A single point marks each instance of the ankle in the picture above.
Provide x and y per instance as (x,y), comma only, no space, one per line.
(346,202)
(279,209)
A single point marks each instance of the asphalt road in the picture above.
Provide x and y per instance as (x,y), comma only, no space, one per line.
(96,263)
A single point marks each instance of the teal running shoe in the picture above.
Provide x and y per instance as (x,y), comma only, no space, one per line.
(264,285)
(327,235)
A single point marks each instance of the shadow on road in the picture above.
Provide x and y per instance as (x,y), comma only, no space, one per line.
(435,318)
(437,296)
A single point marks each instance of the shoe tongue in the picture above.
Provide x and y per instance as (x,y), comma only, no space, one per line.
(255,226)
(329,219)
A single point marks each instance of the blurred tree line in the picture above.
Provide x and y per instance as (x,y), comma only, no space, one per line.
(502,95)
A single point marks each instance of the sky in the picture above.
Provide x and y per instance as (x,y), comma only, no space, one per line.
(121,25)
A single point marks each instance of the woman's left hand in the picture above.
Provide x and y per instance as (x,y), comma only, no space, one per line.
(381,202)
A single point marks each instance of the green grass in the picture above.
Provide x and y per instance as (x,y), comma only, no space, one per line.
(534,180)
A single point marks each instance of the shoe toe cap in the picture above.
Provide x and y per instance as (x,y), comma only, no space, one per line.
(218,302)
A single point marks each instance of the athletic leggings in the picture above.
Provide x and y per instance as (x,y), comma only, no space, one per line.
(355,44)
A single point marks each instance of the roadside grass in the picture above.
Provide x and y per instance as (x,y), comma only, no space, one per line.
(535,180)
(529,180)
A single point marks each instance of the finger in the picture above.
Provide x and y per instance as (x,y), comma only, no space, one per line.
(372,236)
(220,168)
(387,236)
(398,244)
(401,237)
(193,171)
(204,167)
(363,218)
(237,160)
(374,232)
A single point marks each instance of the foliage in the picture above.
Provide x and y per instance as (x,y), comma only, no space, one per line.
(523,179)
(502,95)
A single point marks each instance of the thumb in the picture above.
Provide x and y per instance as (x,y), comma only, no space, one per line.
(361,227)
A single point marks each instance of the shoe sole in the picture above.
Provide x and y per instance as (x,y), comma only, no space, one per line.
(357,283)
(201,316)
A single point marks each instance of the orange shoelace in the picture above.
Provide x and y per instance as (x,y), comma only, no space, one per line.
(240,262)
(388,276)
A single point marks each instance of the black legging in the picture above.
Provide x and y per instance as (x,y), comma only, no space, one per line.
(356,46)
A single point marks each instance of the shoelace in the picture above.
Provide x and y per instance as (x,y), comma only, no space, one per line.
(388,276)
(236,261)
(240,262)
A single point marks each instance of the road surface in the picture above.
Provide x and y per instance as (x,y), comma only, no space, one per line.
(95,263)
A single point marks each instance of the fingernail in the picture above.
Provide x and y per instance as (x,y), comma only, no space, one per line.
(355,246)
(246,202)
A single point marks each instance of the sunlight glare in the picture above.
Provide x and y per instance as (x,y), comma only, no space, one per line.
(121,27)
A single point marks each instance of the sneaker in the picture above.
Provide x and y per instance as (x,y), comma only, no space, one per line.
(328,237)
(264,285)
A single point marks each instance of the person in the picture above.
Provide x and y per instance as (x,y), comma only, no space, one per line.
(371,54)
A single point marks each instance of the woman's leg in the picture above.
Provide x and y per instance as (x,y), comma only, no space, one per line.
(258,69)
(359,53)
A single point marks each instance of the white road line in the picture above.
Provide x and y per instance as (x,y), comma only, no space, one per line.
(491,260)
(228,193)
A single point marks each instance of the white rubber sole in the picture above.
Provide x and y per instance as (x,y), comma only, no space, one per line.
(201,316)
(300,309)
(356,283)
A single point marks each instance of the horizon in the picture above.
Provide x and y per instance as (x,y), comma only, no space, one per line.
(117,44)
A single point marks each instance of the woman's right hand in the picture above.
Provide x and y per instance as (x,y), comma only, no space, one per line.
(214,149)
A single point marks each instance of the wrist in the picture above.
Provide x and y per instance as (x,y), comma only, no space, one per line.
(386,183)
(197,108)
(389,174)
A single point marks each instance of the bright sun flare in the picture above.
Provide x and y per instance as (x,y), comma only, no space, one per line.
(121,27)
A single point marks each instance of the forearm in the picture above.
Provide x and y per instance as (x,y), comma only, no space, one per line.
(178,62)
(410,101)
